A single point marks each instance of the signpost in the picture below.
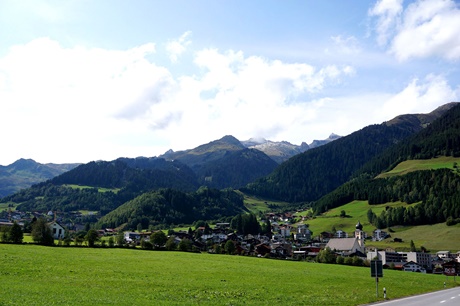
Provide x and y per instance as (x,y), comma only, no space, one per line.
(376,271)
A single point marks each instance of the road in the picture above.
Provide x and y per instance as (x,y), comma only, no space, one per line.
(446,297)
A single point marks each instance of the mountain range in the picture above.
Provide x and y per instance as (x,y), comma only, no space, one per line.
(326,176)
(210,162)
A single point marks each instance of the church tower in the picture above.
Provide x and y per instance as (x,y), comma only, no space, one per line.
(360,235)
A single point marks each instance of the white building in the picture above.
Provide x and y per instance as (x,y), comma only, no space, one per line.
(57,230)
(413,267)
(379,235)
(340,234)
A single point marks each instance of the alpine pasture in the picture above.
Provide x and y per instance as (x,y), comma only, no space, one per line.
(37,275)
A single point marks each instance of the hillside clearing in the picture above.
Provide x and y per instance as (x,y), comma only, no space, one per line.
(355,211)
(422,164)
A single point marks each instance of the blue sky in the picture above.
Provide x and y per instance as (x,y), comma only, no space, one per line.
(92,80)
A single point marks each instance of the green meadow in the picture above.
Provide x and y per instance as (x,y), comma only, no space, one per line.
(36,275)
(99,189)
(422,164)
(355,211)
(436,237)
(256,205)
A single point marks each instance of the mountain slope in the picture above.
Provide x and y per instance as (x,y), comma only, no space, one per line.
(23,173)
(236,169)
(313,174)
(436,191)
(167,206)
(224,163)
(212,151)
(126,178)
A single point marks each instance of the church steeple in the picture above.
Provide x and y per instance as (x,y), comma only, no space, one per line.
(359,234)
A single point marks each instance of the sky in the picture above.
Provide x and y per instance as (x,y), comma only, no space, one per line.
(97,80)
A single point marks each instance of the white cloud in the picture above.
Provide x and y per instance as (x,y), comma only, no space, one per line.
(426,28)
(77,104)
(178,46)
(62,101)
(429,28)
(420,96)
(244,96)
(348,45)
(387,13)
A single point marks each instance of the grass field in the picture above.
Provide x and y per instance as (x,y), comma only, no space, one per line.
(4,206)
(355,211)
(99,189)
(256,205)
(436,237)
(423,164)
(36,275)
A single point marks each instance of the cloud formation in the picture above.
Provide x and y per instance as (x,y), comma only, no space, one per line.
(425,28)
(178,46)
(94,103)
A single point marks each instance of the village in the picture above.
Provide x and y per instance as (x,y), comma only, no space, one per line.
(287,241)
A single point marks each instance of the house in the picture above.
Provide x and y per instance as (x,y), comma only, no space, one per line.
(340,234)
(262,249)
(378,235)
(131,236)
(411,266)
(303,233)
(57,230)
(443,254)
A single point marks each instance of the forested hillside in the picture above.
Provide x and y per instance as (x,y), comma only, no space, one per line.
(166,206)
(441,138)
(127,183)
(313,174)
(435,194)
(237,169)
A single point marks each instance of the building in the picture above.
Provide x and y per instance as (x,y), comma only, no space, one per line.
(379,235)
(349,245)
(57,230)
(398,258)
(340,234)
(303,233)
(413,267)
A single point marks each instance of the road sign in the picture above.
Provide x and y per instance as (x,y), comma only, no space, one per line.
(376,268)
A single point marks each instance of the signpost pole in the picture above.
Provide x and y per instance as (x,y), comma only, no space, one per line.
(376,280)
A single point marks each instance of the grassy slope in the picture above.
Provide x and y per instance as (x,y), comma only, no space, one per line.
(434,237)
(256,205)
(35,275)
(426,164)
(355,211)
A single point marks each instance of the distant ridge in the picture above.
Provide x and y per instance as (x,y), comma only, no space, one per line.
(283,150)
(24,173)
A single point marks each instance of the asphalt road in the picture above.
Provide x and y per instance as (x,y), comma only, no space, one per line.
(448,297)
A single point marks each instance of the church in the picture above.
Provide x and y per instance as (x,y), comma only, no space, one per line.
(349,246)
